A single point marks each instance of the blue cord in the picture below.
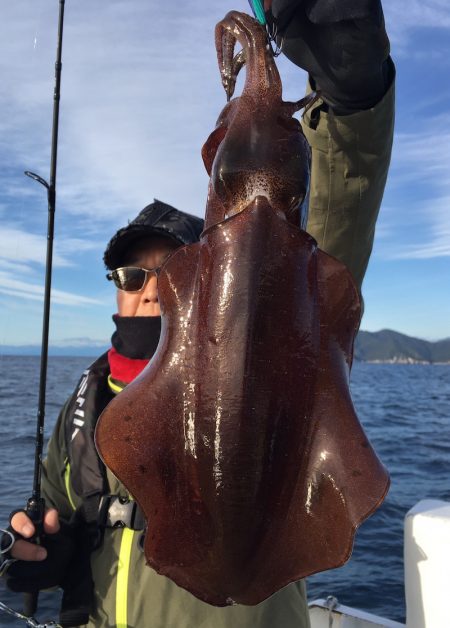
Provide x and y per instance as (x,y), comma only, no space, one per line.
(258,10)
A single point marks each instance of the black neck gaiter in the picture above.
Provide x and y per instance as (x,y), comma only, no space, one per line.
(136,337)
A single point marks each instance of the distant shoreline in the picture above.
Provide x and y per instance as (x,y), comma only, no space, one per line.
(93,356)
(403,361)
(380,347)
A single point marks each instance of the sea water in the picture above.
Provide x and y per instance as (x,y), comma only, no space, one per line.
(405,411)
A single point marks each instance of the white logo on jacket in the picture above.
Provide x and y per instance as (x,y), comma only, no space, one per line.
(78,419)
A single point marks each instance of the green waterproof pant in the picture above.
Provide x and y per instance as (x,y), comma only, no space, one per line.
(350,162)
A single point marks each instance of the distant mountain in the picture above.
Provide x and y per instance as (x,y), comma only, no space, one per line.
(381,346)
(54,350)
(390,346)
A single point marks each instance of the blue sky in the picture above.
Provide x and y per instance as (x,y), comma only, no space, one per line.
(140,94)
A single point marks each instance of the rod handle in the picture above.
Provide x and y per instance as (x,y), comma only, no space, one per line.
(35,509)
(30,603)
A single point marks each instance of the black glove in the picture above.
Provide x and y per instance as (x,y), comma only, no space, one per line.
(78,585)
(342,44)
(23,576)
(67,566)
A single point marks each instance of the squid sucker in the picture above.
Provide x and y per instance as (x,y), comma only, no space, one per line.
(239,440)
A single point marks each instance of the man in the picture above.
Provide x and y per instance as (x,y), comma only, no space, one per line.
(344,47)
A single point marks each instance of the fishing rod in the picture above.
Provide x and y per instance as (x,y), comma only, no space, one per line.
(35,507)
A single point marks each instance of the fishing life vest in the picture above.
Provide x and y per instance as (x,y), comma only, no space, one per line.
(87,472)
(92,395)
(88,478)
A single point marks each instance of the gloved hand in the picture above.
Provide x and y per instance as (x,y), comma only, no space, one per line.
(62,559)
(41,566)
(342,44)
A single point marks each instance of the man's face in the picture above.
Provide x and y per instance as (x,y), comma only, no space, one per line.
(146,253)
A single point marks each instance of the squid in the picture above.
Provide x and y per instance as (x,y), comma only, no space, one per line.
(239,440)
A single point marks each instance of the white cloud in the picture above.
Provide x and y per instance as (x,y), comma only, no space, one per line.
(428,223)
(439,248)
(136,105)
(434,235)
(383,230)
(17,267)
(19,246)
(405,17)
(424,154)
(19,288)
(415,221)
(137,101)
(22,257)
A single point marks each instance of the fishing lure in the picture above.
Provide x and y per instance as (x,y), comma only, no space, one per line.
(258,11)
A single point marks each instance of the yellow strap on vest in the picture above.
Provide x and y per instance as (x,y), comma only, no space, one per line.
(67,483)
(123,570)
(116,388)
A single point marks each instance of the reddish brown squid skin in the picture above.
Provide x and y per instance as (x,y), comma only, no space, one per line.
(257,148)
(262,76)
(239,440)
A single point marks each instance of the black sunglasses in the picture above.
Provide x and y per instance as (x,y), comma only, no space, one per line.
(131,278)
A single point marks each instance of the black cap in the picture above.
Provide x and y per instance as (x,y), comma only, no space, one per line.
(156,219)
